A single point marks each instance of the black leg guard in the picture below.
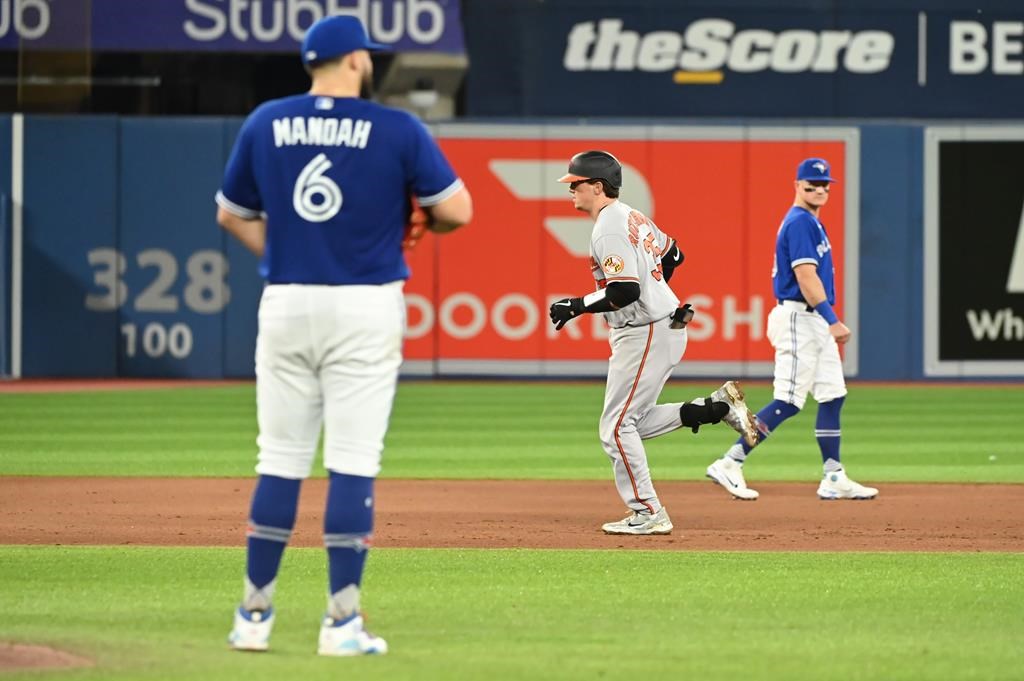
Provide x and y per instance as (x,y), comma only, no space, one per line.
(694,416)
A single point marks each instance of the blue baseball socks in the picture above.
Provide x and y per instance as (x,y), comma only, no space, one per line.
(769,418)
(275,503)
(348,526)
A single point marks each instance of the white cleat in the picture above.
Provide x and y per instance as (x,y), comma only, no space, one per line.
(252,629)
(739,417)
(641,523)
(728,473)
(838,486)
(348,637)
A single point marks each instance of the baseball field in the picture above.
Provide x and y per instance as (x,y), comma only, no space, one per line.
(123,509)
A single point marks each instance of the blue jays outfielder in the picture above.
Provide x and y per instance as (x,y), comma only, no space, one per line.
(805,332)
(318,186)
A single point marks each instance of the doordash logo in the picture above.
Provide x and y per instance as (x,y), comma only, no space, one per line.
(708,47)
(534,180)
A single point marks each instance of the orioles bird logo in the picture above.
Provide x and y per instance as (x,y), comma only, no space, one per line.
(612,264)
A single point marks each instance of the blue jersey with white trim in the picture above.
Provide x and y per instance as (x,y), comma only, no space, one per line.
(333,177)
(802,239)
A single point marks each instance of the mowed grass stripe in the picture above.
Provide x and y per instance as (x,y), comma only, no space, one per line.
(517,430)
(148,613)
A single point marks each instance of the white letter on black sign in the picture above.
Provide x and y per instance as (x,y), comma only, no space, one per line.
(967,52)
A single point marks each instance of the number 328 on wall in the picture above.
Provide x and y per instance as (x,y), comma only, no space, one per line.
(206,290)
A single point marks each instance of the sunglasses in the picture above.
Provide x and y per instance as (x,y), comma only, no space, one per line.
(577,183)
(815,186)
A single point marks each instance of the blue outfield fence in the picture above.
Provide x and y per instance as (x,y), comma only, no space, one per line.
(5,284)
(126,272)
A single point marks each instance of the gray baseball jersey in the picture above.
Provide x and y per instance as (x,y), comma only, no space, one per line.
(626,245)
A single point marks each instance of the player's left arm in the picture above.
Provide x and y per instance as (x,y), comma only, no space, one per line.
(671,259)
(813,291)
(617,259)
(438,190)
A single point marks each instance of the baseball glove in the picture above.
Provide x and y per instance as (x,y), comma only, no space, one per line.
(417,225)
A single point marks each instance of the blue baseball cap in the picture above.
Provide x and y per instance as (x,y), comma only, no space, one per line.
(814,170)
(334,36)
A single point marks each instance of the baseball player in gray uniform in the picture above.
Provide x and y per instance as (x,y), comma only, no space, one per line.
(632,261)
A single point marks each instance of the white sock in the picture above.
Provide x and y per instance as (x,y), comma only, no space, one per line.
(833,466)
(736,453)
(344,603)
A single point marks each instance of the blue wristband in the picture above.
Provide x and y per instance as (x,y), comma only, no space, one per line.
(826,311)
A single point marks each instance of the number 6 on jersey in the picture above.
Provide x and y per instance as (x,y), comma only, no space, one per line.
(312,182)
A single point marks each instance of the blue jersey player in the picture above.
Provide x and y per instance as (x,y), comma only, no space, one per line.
(318,186)
(805,332)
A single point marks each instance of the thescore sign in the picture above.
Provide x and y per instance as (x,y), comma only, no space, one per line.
(712,44)
(671,59)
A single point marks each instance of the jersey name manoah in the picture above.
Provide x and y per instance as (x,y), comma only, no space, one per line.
(304,162)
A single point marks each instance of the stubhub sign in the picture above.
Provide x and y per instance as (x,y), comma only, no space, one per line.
(220,25)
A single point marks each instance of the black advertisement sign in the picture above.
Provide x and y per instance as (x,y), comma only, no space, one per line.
(980,251)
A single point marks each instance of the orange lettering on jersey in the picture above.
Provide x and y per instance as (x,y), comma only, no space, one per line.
(634,235)
(648,241)
(657,273)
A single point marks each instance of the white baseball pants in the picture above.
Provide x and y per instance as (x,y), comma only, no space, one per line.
(326,356)
(642,359)
(806,356)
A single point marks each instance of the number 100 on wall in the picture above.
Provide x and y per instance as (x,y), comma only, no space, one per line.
(205,291)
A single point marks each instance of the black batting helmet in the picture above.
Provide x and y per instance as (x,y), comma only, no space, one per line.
(594,165)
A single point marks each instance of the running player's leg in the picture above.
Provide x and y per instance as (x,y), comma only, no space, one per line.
(359,372)
(664,356)
(633,384)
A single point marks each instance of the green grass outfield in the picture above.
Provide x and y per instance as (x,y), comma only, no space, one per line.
(517,430)
(149,613)
(162,613)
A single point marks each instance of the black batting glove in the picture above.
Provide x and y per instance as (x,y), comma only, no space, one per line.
(565,309)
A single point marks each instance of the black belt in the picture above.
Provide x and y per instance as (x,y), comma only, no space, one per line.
(807,307)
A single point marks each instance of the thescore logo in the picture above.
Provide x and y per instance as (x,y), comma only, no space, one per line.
(714,44)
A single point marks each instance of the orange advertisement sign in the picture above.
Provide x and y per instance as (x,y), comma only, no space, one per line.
(482,293)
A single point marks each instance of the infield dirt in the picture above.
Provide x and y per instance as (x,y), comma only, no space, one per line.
(521,514)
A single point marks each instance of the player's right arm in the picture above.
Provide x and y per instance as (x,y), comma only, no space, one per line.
(813,292)
(239,204)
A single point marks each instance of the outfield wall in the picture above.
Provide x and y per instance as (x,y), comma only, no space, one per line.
(124,272)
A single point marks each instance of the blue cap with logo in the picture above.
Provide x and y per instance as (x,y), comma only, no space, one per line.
(814,170)
(334,36)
